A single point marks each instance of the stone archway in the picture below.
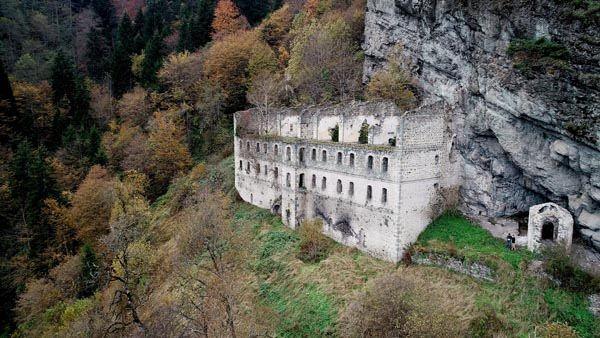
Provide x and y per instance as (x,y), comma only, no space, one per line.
(549,223)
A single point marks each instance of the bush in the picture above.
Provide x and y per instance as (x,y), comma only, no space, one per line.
(393,83)
(363,136)
(557,330)
(335,133)
(407,304)
(538,55)
(487,324)
(314,246)
(560,266)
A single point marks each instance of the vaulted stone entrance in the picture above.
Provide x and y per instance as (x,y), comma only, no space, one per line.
(549,224)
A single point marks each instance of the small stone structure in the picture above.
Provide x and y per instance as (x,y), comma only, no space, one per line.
(375,196)
(549,223)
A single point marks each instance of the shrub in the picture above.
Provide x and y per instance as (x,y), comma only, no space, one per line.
(571,277)
(335,133)
(487,324)
(393,83)
(407,304)
(538,55)
(557,330)
(363,136)
(314,246)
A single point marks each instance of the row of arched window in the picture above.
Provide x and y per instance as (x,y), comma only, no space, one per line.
(313,182)
(339,157)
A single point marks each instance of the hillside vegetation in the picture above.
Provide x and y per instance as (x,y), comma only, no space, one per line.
(207,263)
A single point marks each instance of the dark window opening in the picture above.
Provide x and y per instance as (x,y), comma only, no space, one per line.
(369,193)
(288,153)
(383,195)
(313,156)
(257,169)
(324,183)
(240,165)
(266,170)
(301,181)
(301,155)
(276,173)
(324,156)
(384,164)
(257,147)
(265,147)
(247,146)
(339,186)
(370,162)
(339,158)
(352,160)
(314,181)
(276,149)
(351,189)
(288,180)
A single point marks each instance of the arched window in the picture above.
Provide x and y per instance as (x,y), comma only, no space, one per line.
(276,150)
(288,180)
(437,159)
(266,170)
(351,189)
(313,155)
(324,183)
(248,166)
(301,181)
(240,165)
(257,168)
(265,147)
(314,181)
(370,162)
(383,195)
(339,186)
(384,164)
(257,147)
(369,193)
(247,145)
(352,160)
(288,153)
(339,157)
(276,173)
(301,155)
(324,156)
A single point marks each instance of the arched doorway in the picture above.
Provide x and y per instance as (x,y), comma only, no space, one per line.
(548,231)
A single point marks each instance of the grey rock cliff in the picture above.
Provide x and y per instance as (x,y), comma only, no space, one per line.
(523,138)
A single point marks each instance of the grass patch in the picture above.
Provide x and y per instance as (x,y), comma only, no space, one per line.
(572,308)
(305,311)
(455,233)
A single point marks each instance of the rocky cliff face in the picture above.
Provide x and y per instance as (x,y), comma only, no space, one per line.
(527,122)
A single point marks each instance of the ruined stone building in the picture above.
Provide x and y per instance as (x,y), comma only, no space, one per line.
(308,164)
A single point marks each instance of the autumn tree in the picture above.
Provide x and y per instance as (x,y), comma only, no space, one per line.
(91,205)
(324,62)
(130,255)
(180,73)
(209,271)
(394,82)
(134,107)
(266,91)
(228,19)
(168,152)
(231,63)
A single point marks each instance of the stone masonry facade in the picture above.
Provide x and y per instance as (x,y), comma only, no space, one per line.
(376,196)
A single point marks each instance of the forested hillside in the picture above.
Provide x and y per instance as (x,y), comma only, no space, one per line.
(104,106)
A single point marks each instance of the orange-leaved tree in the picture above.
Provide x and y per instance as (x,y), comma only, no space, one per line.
(228,19)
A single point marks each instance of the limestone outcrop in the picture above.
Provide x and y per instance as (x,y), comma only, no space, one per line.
(527,133)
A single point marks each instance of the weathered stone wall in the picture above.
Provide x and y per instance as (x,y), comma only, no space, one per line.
(522,140)
(373,197)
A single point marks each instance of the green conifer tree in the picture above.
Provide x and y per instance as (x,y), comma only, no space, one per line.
(90,271)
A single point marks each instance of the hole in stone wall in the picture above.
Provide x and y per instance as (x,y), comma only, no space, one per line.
(370,162)
(548,231)
(352,160)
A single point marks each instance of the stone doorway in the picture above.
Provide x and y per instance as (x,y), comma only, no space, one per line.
(549,223)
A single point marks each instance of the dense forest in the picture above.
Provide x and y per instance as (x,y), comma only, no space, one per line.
(105,104)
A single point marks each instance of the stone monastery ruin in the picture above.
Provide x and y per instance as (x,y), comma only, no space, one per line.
(308,164)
